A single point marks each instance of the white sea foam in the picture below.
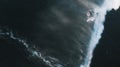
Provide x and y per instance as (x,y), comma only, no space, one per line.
(98,26)
(34,52)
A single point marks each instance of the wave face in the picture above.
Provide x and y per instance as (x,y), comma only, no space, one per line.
(57,33)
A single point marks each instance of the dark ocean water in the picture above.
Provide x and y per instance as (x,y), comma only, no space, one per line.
(42,33)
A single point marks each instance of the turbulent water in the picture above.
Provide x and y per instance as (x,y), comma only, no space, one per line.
(55,33)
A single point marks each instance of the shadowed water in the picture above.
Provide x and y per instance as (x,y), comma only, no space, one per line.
(52,33)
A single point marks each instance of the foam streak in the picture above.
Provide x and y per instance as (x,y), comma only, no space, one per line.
(99,27)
